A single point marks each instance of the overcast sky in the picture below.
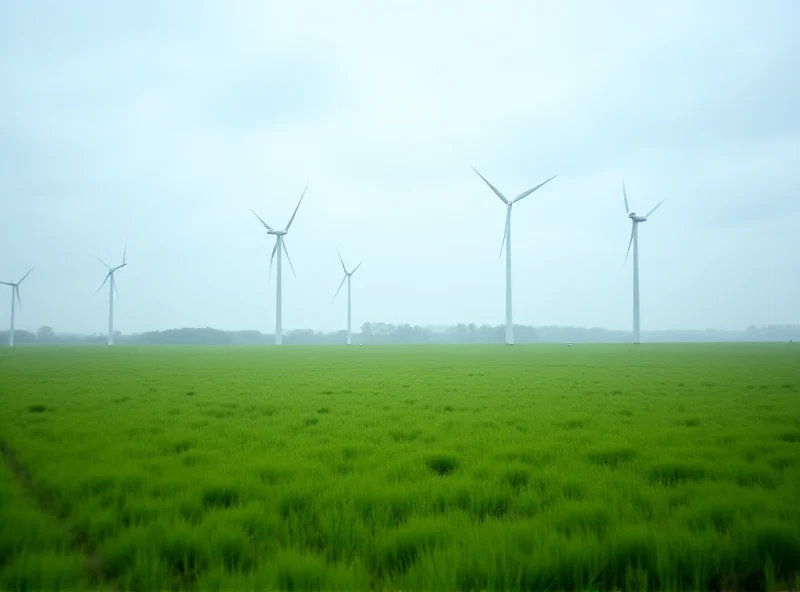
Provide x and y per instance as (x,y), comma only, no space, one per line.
(164,122)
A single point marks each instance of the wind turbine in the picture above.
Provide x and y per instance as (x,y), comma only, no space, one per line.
(280,246)
(111,289)
(635,220)
(507,243)
(347,276)
(15,292)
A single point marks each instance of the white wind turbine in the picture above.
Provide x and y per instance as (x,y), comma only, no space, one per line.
(280,246)
(15,292)
(635,220)
(111,289)
(507,244)
(347,276)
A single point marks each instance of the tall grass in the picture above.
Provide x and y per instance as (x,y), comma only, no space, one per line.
(475,467)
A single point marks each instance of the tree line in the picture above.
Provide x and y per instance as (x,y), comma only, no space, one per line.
(379,332)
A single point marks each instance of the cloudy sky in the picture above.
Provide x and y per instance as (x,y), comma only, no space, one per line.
(164,122)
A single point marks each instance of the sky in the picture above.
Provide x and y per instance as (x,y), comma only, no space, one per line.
(164,123)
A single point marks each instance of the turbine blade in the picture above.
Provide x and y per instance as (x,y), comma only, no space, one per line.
(26,275)
(7,283)
(125,252)
(342,260)
(289,225)
(356,269)
(625,197)
(19,300)
(654,209)
(289,259)
(267,226)
(505,232)
(104,283)
(101,261)
(492,187)
(114,284)
(529,191)
(272,257)
(630,242)
(340,287)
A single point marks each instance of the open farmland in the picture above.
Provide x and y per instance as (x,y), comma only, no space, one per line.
(474,467)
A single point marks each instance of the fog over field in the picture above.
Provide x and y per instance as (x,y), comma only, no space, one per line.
(164,123)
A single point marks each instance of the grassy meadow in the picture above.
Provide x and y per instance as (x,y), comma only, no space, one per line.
(596,467)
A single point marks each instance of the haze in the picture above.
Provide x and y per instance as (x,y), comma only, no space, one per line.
(163,123)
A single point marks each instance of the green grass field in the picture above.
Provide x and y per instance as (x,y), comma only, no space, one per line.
(430,467)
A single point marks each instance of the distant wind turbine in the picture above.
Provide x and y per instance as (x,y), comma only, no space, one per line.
(280,246)
(635,220)
(507,244)
(111,289)
(347,276)
(15,292)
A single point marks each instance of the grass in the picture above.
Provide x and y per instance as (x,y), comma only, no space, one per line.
(462,467)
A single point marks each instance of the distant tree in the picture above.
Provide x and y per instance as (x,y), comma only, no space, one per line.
(20,337)
(44,334)
(525,334)
(300,336)
(249,337)
(185,336)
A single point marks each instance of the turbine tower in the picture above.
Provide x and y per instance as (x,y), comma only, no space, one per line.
(280,246)
(111,289)
(507,243)
(347,276)
(15,292)
(635,220)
